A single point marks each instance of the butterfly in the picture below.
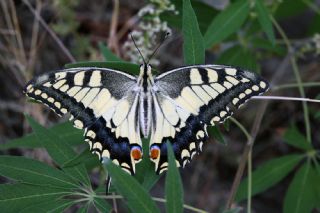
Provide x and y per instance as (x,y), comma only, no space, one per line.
(116,109)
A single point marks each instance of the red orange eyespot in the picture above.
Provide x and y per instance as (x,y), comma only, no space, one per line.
(136,153)
(154,152)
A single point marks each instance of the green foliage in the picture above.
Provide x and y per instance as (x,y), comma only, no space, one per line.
(301,194)
(34,172)
(174,190)
(145,173)
(204,13)
(268,174)
(38,187)
(107,54)
(136,196)
(59,152)
(122,66)
(70,135)
(215,132)
(239,56)
(226,22)
(264,19)
(304,192)
(294,138)
(248,30)
(193,45)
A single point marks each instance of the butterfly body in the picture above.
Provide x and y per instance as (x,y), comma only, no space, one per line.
(115,109)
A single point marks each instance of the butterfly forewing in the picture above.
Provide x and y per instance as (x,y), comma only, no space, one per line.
(190,98)
(102,102)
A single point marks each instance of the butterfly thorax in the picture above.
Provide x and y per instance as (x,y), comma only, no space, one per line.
(145,82)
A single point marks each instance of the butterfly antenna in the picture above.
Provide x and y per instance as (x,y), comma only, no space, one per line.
(134,42)
(159,45)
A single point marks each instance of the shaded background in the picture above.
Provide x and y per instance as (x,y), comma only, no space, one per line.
(27,48)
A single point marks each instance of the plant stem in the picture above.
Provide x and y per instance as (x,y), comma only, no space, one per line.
(285,98)
(184,205)
(241,127)
(158,199)
(293,85)
(249,180)
(297,75)
(51,33)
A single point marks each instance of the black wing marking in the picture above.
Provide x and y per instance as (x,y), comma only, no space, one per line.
(192,98)
(101,101)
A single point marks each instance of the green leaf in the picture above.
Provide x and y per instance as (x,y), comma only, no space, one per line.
(121,66)
(34,172)
(204,12)
(315,177)
(289,8)
(294,138)
(145,172)
(48,206)
(84,157)
(102,205)
(268,174)
(226,23)
(16,197)
(84,209)
(300,193)
(107,54)
(216,133)
(193,45)
(174,190)
(59,151)
(234,210)
(126,185)
(266,45)
(71,136)
(264,20)
(240,57)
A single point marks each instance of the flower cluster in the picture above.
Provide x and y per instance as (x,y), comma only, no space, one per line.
(316,41)
(148,30)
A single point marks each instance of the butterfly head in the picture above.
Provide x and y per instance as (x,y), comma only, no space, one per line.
(145,69)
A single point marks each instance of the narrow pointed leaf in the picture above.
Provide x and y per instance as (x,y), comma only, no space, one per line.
(268,175)
(83,157)
(216,133)
(145,172)
(264,20)
(204,12)
(226,23)
(59,151)
(300,193)
(16,197)
(137,197)
(102,205)
(107,54)
(294,138)
(84,209)
(71,136)
(46,206)
(240,57)
(122,66)
(193,45)
(174,190)
(34,172)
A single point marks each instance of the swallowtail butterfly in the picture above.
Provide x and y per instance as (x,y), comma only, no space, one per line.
(115,108)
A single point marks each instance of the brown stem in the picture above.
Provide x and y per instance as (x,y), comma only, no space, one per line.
(113,40)
(254,131)
(51,33)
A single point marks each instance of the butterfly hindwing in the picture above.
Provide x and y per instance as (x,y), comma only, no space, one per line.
(100,101)
(190,98)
